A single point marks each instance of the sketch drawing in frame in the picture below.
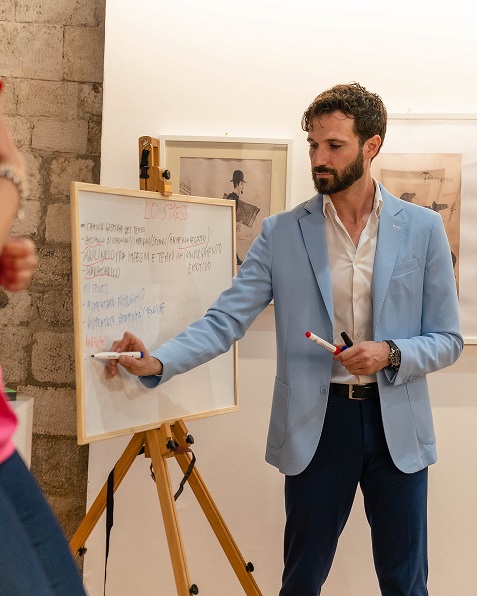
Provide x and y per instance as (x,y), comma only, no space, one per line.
(431,180)
(253,173)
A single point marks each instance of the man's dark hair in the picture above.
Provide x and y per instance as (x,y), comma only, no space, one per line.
(367,109)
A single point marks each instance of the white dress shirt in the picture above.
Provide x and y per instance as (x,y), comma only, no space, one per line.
(351,279)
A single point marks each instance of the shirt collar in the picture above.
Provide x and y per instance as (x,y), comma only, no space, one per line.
(377,205)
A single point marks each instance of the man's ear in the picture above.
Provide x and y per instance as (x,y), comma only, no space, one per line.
(371,147)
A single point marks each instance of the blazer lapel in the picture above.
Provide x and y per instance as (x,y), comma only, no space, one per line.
(313,229)
(390,235)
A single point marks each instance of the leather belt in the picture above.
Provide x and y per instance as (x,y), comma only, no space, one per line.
(357,392)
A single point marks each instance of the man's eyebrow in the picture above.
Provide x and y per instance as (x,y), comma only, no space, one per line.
(330,140)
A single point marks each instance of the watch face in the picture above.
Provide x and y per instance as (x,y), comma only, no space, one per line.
(394,358)
(394,355)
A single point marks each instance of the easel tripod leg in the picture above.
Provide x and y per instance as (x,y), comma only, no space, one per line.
(216,521)
(99,505)
(155,440)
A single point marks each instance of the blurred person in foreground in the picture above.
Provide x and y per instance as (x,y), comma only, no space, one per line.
(35,559)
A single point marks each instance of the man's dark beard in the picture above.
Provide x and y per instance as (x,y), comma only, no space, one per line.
(339,182)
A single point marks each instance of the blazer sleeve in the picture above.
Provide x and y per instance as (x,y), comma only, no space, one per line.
(227,320)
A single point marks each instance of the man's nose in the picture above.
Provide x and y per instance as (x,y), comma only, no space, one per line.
(319,157)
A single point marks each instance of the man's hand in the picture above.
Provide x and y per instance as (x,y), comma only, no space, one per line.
(364,358)
(142,367)
(18,262)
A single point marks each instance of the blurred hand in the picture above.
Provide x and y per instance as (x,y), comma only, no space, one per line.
(364,358)
(142,367)
(18,263)
(9,153)
(9,196)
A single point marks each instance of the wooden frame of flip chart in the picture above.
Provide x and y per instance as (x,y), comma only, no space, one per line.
(150,265)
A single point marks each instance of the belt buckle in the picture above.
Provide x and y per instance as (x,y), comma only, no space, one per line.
(351,396)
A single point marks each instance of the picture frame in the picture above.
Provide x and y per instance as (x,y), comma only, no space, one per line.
(253,172)
(439,151)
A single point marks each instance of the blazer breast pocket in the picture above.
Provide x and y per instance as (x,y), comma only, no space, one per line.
(406,267)
(406,277)
(403,298)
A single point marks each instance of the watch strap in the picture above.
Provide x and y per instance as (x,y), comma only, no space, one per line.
(394,360)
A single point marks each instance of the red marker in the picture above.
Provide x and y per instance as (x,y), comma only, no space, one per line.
(321,342)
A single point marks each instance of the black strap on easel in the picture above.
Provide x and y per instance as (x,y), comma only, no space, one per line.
(110,514)
(109,518)
(144,164)
(173,446)
(187,474)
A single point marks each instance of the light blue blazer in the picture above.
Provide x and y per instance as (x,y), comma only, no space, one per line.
(414,304)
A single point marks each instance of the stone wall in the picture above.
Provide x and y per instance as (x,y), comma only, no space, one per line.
(51,60)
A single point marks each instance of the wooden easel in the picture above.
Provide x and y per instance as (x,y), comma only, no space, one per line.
(151,176)
(159,445)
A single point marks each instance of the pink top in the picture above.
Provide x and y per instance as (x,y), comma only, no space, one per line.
(8,424)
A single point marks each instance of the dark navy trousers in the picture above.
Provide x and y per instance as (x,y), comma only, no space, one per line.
(352,451)
(35,558)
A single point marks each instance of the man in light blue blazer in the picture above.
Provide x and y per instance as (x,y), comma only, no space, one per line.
(353,258)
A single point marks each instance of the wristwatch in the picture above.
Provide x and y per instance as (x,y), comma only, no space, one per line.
(394,358)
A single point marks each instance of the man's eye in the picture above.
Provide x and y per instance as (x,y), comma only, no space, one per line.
(335,146)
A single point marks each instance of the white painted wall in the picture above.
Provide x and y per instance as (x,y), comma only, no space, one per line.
(249,69)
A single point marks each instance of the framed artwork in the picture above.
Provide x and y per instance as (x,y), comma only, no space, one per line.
(431,160)
(253,172)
